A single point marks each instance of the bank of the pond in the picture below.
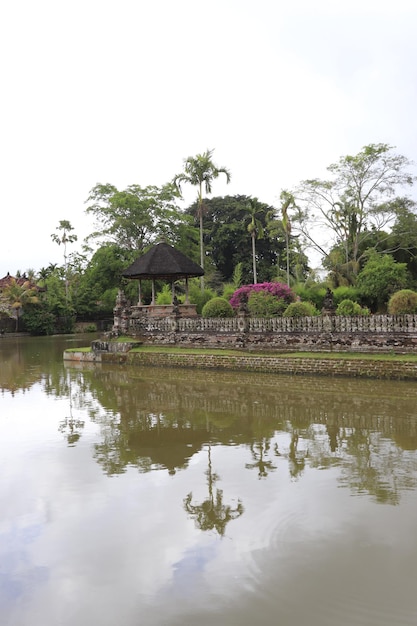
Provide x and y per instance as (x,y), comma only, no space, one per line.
(395,367)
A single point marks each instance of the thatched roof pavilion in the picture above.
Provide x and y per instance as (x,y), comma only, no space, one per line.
(163,262)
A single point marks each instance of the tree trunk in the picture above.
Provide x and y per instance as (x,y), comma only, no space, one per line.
(201,248)
(288,257)
(200,211)
(255,278)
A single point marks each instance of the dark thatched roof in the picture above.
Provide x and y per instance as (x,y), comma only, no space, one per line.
(163,261)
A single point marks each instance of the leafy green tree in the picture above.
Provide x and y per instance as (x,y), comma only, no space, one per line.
(200,171)
(380,278)
(100,280)
(55,297)
(136,217)
(38,319)
(402,241)
(354,202)
(226,239)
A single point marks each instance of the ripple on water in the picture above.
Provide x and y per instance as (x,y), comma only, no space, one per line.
(297,570)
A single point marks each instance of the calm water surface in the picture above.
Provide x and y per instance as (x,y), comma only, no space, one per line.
(159,497)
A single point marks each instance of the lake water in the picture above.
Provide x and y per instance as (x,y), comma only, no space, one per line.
(165,497)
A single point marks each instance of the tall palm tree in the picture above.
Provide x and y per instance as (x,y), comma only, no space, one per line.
(42,276)
(64,238)
(198,171)
(256,231)
(287,200)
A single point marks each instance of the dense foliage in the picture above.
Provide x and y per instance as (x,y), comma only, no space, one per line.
(380,278)
(357,200)
(228,242)
(249,248)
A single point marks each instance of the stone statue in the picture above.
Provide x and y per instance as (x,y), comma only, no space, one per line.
(328,303)
(175,303)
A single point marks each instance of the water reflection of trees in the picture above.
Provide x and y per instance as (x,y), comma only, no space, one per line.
(161,418)
(260,451)
(25,361)
(71,426)
(212,513)
(14,373)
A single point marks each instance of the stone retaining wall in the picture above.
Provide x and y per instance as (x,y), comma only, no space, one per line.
(364,368)
(374,333)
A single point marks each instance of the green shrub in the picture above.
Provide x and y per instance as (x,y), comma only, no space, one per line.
(300,309)
(38,320)
(311,293)
(198,297)
(164,296)
(264,304)
(90,328)
(345,293)
(403,302)
(217,307)
(228,291)
(348,307)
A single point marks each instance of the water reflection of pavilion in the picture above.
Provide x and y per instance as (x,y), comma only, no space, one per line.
(156,446)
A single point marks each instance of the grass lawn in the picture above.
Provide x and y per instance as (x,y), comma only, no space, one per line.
(298,355)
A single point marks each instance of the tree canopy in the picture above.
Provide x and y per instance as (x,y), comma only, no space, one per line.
(346,208)
(136,217)
(380,278)
(229,243)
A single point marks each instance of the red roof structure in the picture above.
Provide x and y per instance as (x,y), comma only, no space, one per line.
(7,280)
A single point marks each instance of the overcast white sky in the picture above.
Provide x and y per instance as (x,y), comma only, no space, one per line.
(122,91)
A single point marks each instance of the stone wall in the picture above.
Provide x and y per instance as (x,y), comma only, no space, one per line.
(374,333)
(279,364)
